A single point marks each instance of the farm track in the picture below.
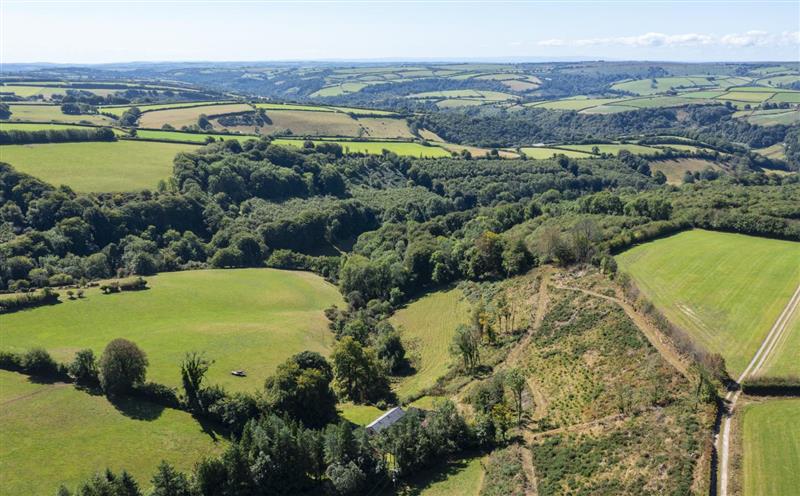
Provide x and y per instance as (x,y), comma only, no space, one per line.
(35,393)
(764,351)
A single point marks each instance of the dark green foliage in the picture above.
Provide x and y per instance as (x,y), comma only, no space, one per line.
(122,366)
(358,374)
(84,368)
(193,369)
(17,137)
(301,389)
(169,482)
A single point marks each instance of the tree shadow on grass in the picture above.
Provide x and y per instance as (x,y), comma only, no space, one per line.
(212,429)
(422,481)
(136,409)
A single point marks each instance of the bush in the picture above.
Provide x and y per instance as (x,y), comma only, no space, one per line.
(37,361)
(84,368)
(28,300)
(122,366)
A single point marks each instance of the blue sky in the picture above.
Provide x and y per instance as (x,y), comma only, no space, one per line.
(92,31)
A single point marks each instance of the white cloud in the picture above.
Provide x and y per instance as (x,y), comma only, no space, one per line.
(736,40)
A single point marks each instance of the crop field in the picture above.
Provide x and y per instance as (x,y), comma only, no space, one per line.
(427,326)
(55,434)
(179,117)
(96,166)
(675,168)
(543,152)
(614,149)
(190,137)
(118,110)
(725,290)
(771,447)
(250,319)
(48,113)
(463,477)
(403,148)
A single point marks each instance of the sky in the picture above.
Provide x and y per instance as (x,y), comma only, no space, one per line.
(92,31)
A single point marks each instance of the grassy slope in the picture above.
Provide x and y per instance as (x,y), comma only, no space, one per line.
(96,166)
(377,147)
(725,289)
(675,168)
(428,326)
(47,113)
(179,117)
(55,434)
(771,439)
(457,477)
(541,153)
(249,319)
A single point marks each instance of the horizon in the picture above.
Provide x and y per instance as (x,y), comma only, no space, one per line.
(252,31)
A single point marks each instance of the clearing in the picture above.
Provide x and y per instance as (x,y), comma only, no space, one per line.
(675,168)
(725,290)
(46,439)
(187,116)
(250,319)
(96,166)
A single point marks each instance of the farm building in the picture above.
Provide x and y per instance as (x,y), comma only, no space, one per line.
(386,420)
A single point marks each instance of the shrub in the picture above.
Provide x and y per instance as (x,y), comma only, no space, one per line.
(37,361)
(84,368)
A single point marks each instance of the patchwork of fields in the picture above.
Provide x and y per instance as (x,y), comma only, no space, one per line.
(251,319)
(725,290)
(55,434)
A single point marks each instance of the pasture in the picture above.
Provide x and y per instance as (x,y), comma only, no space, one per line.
(30,126)
(118,110)
(403,148)
(463,477)
(771,447)
(52,113)
(674,169)
(304,123)
(614,149)
(250,319)
(784,361)
(575,103)
(544,152)
(427,327)
(187,116)
(54,434)
(178,136)
(725,290)
(96,166)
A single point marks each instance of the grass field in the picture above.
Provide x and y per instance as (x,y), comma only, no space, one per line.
(305,123)
(784,361)
(179,117)
(96,166)
(427,328)
(52,434)
(543,152)
(192,137)
(456,477)
(575,103)
(648,87)
(118,110)
(778,150)
(771,118)
(52,113)
(377,147)
(251,319)
(771,447)
(614,149)
(725,290)
(359,414)
(25,126)
(675,168)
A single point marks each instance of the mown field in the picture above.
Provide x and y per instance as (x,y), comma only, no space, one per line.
(55,434)
(785,359)
(96,166)
(201,138)
(543,152)
(187,116)
(771,448)
(427,327)
(726,290)
(457,477)
(250,319)
(376,147)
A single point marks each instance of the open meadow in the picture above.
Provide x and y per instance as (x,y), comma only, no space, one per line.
(96,166)
(771,447)
(54,434)
(53,113)
(427,327)
(187,116)
(674,169)
(250,319)
(403,148)
(784,361)
(725,290)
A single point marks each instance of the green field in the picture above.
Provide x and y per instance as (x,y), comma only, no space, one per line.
(614,149)
(359,414)
(427,328)
(96,166)
(784,361)
(456,477)
(52,113)
(118,110)
(674,169)
(377,147)
(26,126)
(191,137)
(725,290)
(543,152)
(575,103)
(187,116)
(648,87)
(54,434)
(250,319)
(771,448)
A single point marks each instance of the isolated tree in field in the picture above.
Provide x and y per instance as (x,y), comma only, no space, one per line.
(466,344)
(193,369)
(122,366)
(516,383)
